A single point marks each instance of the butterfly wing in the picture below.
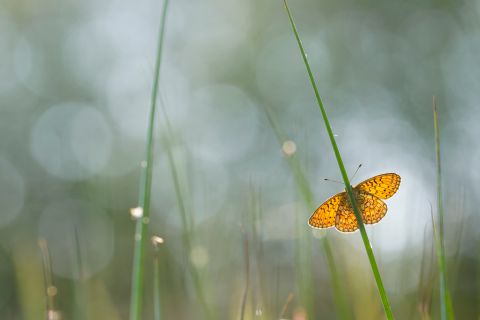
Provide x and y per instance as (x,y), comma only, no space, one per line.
(346,221)
(382,186)
(372,209)
(324,216)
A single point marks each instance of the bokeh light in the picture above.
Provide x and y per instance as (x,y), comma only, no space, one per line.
(71,141)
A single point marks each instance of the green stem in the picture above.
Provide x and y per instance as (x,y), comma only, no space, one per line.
(247,276)
(341,306)
(145,187)
(186,228)
(157,312)
(348,187)
(446,310)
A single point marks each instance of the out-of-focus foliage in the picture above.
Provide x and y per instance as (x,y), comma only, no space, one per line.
(75,81)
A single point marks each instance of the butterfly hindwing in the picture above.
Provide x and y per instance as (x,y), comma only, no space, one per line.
(345,220)
(371,208)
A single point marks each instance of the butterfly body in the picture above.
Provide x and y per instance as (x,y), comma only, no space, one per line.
(338,211)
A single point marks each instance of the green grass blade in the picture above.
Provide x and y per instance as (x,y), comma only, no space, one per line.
(246,254)
(157,310)
(348,187)
(340,298)
(186,228)
(446,309)
(141,227)
(48,276)
(81,310)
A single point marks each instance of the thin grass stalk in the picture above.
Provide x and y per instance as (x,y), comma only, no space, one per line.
(156,288)
(446,310)
(246,254)
(303,258)
(145,187)
(303,244)
(259,292)
(340,299)
(425,281)
(157,310)
(348,187)
(81,308)
(186,228)
(438,252)
(283,313)
(50,289)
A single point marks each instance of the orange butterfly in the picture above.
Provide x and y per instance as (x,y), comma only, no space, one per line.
(337,211)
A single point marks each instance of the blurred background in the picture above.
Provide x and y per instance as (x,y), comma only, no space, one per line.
(75,83)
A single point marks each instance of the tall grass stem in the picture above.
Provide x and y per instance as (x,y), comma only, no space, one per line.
(446,310)
(246,254)
(340,299)
(186,225)
(348,187)
(141,228)
(47,274)
(157,310)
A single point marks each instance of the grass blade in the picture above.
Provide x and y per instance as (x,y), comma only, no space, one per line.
(50,288)
(247,276)
(340,298)
(141,227)
(157,311)
(186,225)
(446,310)
(348,187)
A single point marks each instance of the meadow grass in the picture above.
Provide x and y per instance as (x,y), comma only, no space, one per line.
(246,254)
(348,187)
(157,310)
(446,309)
(187,228)
(304,189)
(145,186)
(50,288)
(80,286)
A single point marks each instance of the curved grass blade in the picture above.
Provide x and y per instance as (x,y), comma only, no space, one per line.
(348,187)
(145,187)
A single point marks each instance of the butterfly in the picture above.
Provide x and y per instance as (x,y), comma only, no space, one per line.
(337,211)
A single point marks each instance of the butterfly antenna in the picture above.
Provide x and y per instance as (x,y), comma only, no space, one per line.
(356,171)
(331,180)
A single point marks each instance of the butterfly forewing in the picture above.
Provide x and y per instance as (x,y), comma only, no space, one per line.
(382,186)
(324,216)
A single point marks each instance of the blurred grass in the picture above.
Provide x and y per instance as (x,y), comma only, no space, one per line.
(348,187)
(304,247)
(157,309)
(141,228)
(188,233)
(50,289)
(246,254)
(446,309)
